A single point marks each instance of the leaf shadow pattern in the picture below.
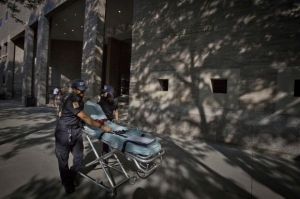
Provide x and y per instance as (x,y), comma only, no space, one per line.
(191,169)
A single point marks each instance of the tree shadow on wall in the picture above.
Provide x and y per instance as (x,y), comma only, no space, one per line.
(213,39)
(244,38)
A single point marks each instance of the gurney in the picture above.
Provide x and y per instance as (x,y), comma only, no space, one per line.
(141,148)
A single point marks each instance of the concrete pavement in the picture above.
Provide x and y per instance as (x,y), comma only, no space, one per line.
(191,169)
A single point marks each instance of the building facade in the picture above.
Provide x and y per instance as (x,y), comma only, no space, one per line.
(226,71)
(61,41)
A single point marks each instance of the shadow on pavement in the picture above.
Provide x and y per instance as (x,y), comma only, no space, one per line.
(191,169)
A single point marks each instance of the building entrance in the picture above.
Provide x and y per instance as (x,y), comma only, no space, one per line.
(67,30)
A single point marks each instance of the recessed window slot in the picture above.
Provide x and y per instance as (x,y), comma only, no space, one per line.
(219,85)
(297,88)
(164,84)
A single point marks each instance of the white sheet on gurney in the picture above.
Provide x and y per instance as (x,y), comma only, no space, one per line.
(148,144)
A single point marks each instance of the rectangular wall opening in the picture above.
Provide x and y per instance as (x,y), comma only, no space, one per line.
(297,88)
(164,84)
(219,85)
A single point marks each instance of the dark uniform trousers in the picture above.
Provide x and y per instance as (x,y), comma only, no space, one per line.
(68,140)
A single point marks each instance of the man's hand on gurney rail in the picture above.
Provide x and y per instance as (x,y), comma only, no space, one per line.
(105,128)
(90,121)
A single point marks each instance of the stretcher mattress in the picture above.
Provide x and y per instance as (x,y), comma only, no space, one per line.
(130,140)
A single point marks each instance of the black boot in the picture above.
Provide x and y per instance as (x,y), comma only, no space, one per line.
(75,179)
(69,188)
(76,182)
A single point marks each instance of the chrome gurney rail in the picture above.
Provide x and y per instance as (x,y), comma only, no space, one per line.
(146,165)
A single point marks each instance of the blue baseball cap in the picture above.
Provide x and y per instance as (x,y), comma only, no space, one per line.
(79,84)
(108,89)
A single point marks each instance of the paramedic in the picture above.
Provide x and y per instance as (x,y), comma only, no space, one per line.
(68,137)
(109,105)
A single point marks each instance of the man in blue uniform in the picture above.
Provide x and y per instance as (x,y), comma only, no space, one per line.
(68,137)
(110,107)
(109,104)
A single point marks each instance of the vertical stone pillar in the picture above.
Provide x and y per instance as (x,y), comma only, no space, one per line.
(1,65)
(1,68)
(28,63)
(9,68)
(41,68)
(93,42)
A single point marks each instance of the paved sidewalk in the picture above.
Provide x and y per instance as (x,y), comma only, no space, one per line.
(191,169)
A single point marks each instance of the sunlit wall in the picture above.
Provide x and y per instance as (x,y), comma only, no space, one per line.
(226,71)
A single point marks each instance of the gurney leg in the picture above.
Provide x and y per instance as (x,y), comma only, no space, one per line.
(105,166)
(100,184)
(100,162)
(121,166)
(111,192)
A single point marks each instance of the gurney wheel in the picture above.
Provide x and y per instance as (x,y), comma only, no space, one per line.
(133,179)
(111,195)
(141,174)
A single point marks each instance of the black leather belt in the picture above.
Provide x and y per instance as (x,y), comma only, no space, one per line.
(71,126)
(75,127)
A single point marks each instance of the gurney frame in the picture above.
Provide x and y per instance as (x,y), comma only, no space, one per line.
(146,165)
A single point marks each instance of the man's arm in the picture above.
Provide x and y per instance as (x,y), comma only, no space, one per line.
(117,114)
(90,121)
(85,99)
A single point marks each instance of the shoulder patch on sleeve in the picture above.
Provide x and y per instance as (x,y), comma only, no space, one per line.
(75,104)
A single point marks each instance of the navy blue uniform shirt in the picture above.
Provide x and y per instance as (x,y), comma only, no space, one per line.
(107,108)
(72,106)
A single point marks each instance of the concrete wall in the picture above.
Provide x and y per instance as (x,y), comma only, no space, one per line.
(253,44)
(10,28)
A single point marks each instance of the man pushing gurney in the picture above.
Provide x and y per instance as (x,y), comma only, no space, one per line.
(141,148)
(68,135)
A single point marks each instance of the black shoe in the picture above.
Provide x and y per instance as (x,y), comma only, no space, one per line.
(76,182)
(69,189)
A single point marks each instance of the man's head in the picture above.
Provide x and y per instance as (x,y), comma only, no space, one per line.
(78,87)
(108,89)
(108,93)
